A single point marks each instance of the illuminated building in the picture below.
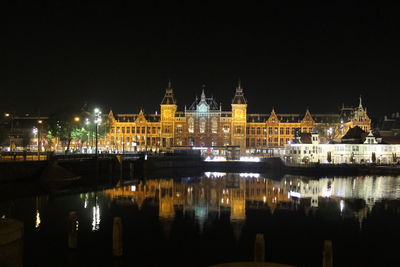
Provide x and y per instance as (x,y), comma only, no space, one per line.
(356,146)
(205,124)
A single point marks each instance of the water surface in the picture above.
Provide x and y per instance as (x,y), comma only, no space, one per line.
(214,217)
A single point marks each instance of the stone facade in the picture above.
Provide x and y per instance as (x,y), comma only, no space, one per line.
(205,124)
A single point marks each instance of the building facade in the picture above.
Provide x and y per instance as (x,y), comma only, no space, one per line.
(356,146)
(205,124)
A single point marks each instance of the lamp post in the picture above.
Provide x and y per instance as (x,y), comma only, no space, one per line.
(97,120)
(35,132)
(11,116)
(39,138)
(87,122)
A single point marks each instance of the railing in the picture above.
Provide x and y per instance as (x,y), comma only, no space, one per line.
(23,156)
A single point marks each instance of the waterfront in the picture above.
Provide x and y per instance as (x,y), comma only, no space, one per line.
(213,218)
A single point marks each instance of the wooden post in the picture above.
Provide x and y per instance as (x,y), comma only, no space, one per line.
(117,237)
(72,230)
(259,248)
(327,257)
(11,242)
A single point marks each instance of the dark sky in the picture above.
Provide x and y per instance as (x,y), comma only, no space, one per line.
(120,55)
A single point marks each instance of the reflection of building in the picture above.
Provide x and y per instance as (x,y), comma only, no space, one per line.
(205,124)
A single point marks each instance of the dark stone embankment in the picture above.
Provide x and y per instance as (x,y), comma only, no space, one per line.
(114,166)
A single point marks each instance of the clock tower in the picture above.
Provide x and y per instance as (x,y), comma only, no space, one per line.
(168,110)
(239,118)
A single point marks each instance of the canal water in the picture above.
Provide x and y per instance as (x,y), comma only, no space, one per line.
(214,217)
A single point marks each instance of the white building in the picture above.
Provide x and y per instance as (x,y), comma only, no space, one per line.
(356,146)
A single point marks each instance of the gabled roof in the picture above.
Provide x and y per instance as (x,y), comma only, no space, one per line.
(392,140)
(354,135)
(210,101)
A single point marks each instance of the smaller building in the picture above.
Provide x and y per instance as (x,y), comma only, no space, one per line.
(356,146)
(27,131)
(390,126)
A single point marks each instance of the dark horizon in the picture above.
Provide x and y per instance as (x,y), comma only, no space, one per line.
(120,56)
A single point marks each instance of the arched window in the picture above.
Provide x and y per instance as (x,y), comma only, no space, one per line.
(214,125)
(202,125)
(191,125)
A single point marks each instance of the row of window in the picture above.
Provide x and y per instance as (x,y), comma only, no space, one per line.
(276,130)
(214,129)
(256,142)
(137,130)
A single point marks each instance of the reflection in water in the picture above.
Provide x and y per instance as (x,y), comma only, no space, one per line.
(37,223)
(96,216)
(217,215)
(217,191)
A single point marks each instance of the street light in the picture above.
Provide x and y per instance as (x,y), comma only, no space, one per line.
(97,120)
(87,122)
(10,115)
(35,132)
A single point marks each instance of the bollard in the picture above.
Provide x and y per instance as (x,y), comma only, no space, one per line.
(117,237)
(327,258)
(259,248)
(11,242)
(72,230)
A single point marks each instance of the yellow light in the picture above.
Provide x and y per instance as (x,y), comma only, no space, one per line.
(77,119)
(7,115)
(40,121)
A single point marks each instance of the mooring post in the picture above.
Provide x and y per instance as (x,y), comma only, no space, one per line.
(11,242)
(117,237)
(259,248)
(72,230)
(327,258)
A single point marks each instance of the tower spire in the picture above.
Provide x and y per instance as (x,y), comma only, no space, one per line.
(360,105)
(203,95)
(239,96)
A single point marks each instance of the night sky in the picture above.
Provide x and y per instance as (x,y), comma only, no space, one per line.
(120,55)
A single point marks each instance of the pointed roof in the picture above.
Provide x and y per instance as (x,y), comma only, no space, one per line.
(239,95)
(203,95)
(169,98)
(273,116)
(308,117)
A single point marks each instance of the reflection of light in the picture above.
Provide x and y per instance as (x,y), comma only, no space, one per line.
(216,158)
(96,218)
(326,192)
(227,201)
(37,223)
(341,205)
(133,188)
(254,175)
(77,225)
(253,159)
(215,174)
(264,199)
(222,200)
(294,194)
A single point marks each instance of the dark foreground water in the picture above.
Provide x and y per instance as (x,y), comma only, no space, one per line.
(213,218)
